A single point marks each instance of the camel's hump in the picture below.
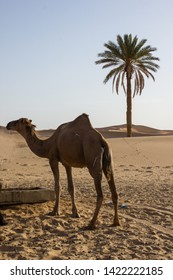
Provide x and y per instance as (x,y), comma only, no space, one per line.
(83,120)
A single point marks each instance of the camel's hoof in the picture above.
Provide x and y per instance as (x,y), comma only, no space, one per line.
(89,227)
(52,213)
(117,224)
(75,215)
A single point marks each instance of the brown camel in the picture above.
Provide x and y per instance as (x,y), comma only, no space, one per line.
(74,144)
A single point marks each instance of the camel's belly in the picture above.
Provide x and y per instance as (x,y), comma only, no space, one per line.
(73,158)
(73,162)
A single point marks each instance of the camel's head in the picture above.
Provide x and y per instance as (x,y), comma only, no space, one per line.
(22,125)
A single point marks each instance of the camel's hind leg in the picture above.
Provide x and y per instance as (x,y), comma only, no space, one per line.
(71,191)
(98,203)
(96,172)
(110,178)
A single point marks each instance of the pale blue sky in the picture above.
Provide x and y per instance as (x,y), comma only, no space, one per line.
(47,54)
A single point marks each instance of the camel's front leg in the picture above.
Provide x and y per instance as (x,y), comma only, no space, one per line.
(55,169)
(71,191)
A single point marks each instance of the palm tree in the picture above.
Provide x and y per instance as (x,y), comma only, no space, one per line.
(130,61)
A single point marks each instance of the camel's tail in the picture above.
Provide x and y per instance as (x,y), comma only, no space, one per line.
(107,161)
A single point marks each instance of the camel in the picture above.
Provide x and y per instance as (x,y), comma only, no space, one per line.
(74,144)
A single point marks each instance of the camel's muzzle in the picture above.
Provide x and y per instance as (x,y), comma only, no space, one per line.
(8,126)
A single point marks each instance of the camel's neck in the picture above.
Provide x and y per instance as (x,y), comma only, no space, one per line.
(39,147)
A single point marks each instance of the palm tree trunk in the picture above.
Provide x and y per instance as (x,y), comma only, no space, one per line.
(129,108)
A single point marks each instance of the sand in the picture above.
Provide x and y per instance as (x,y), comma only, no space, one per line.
(143,169)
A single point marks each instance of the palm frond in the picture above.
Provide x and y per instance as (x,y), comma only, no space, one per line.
(109,76)
(129,58)
(111,64)
(118,82)
(136,84)
(114,49)
(122,81)
(141,82)
(140,45)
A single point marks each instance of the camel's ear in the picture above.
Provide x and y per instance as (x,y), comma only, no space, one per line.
(32,125)
(26,121)
(23,120)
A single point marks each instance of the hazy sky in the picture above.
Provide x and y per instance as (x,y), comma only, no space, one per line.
(48,50)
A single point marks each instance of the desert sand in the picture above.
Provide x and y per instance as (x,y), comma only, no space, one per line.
(143,169)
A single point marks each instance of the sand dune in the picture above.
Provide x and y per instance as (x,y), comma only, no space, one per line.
(137,130)
(144,177)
